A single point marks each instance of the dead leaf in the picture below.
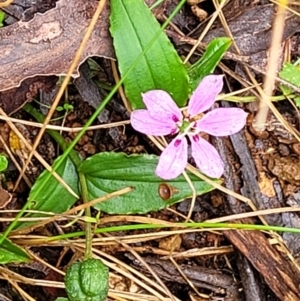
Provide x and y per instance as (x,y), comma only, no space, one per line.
(47,44)
(266,185)
(172,243)
(11,100)
(5,198)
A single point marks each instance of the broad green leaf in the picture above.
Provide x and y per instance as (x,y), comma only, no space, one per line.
(208,62)
(133,26)
(11,253)
(107,172)
(54,197)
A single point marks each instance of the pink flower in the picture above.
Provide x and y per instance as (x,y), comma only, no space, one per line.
(163,117)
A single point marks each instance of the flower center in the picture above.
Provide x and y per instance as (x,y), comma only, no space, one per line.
(186,127)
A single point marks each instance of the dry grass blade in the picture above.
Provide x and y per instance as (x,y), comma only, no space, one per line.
(17,288)
(120,90)
(261,117)
(75,209)
(151,271)
(39,157)
(211,21)
(6,3)
(19,278)
(63,128)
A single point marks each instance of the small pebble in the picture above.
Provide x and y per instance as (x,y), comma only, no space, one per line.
(89,148)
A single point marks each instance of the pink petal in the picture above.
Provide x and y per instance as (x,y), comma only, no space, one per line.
(206,157)
(222,121)
(143,122)
(205,94)
(161,105)
(173,159)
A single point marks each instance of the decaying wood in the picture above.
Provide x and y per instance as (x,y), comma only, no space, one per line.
(250,279)
(46,45)
(201,277)
(278,272)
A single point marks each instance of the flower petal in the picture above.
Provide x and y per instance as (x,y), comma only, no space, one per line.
(205,94)
(222,121)
(173,159)
(206,157)
(161,106)
(143,122)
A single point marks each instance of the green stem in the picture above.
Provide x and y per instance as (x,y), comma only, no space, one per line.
(254,98)
(75,158)
(88,226)
(221,226)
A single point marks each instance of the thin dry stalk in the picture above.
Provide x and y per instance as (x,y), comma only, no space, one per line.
(120,90)
(6,3)
(39,157)
(204,32)
(260,121)
(17,288)
(30,281)
(253,214)
(147,266)
(75,209)
(44,263)
(64,128)
(189,282)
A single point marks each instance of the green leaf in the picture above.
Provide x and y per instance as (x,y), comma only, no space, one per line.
(208,62)
(285,89)
(54,197)
(133,26)
(291,74)
(2,16)
(3,163)
(10,252)
(297,101)
(68,106)
(87,281)
(107,172)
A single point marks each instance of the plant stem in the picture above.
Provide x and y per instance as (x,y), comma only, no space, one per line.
(260,121)
(88,226)
(244,99)
(75,159)
(178,226)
